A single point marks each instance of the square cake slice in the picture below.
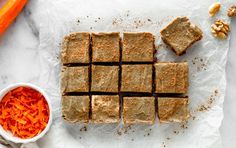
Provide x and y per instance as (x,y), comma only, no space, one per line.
(181,34)
(136,78)
(75,48)
(138,47)
(173,109)
(105,78)
(75,79)
(76,108)
(139,110)
(171,77)
(105,109)
(106,47)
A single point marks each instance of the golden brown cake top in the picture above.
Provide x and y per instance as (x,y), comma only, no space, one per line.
(139,110)
(105,109)
(138,47)
(181,34)
(171,77)
(105,78)
(75,108)
(75,48)
(74,79)
(171,109)
(106,47)
(136,78)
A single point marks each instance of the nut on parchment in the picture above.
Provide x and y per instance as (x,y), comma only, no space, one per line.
(214,8)
(220,29)
(232,11)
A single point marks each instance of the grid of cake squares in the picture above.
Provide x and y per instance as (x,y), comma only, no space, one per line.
(105,78)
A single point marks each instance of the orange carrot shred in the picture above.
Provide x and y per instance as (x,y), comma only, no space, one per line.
(24,112)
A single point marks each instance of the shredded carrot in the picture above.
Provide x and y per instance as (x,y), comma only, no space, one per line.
(24,112)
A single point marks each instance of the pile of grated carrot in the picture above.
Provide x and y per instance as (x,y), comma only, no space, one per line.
(24,112)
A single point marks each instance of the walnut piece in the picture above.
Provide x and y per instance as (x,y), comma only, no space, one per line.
(232,11)
(214,8)
(220,29)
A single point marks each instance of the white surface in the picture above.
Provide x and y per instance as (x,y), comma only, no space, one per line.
(19,63)
(8,135)
(228,127)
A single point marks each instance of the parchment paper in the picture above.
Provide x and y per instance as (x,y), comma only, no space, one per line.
(206,59)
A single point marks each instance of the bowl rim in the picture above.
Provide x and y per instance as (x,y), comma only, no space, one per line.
(14,139)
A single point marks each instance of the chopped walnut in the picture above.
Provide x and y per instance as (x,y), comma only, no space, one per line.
(232,11)
(220,29)
(214,8)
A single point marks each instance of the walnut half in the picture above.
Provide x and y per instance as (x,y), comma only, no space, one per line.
(214,8)
(232,11)
(220,29)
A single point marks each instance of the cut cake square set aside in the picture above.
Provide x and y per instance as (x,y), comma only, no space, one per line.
(181,34)
(112,70)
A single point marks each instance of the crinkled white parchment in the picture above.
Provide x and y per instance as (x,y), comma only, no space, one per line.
(206,59)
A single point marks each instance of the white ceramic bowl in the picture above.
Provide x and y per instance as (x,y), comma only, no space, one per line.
(8,135)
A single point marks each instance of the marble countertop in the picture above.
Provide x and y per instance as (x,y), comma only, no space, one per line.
(228,127)
(19,62)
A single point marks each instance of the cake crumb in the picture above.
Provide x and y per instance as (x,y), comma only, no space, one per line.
(124,130)
(203,108)
(164,144)
(200,63)
(209,103)
(129,22)
(119,133)
(216,92)
(184,125)
(138,23)
(176,132)
(83,129)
